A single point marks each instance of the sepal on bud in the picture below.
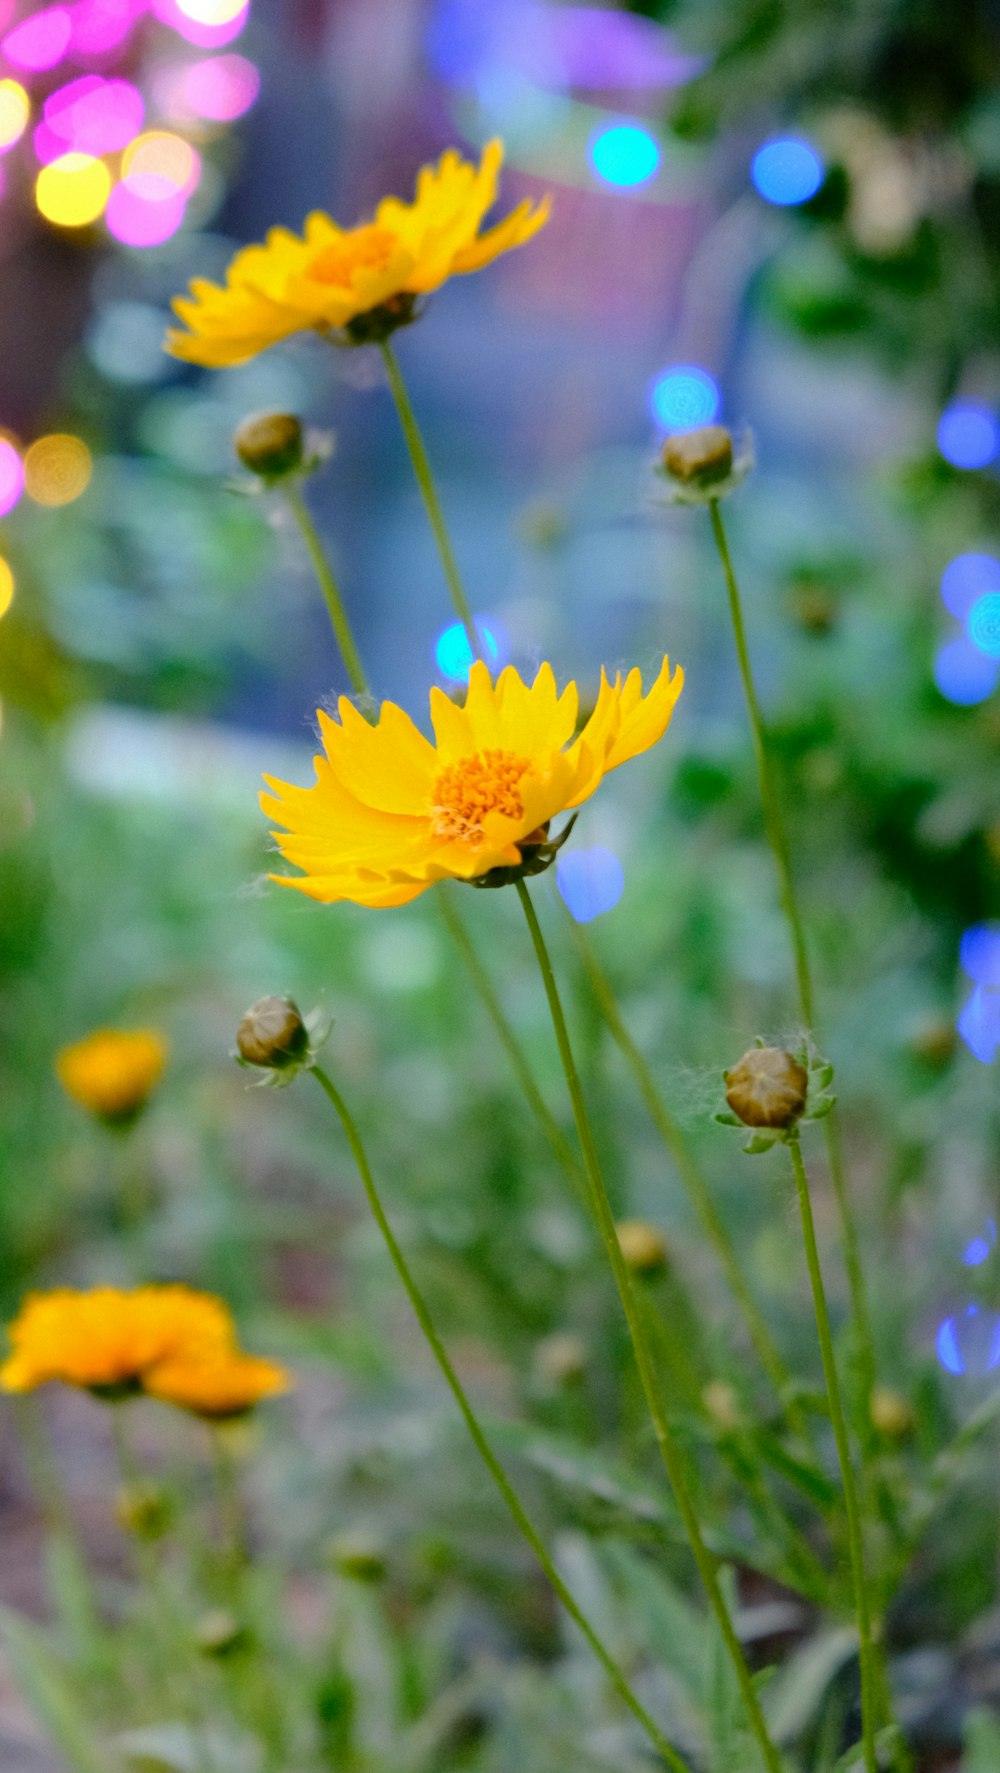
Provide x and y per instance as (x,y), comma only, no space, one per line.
(773,1092)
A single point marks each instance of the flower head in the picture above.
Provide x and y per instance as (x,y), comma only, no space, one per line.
(109,1341)
(360,283)
(390,813)
(768,1088)
(113,1070)
(226,1383)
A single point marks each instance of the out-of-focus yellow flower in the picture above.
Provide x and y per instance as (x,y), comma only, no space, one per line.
(113,1071)
(360,283)
(112,1342)
(228,1384)
(390,813)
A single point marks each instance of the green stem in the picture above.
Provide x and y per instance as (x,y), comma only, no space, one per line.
(482,1445)
(696,1186)
(428,491)
(232,1518)
(510,1043)
(669,1451)
(328,586)
(870,1679)
(778,839)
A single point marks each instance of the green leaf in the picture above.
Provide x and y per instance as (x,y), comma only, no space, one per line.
(806,1477)
(177,1748)
(982,1742)
(49,1691)
(797,1690)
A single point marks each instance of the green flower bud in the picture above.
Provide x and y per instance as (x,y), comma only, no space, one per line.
(270,444)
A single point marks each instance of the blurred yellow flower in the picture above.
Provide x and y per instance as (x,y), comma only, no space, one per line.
(390,813)
(228,1383)
(358,282)
(111,1342)
(113,1070)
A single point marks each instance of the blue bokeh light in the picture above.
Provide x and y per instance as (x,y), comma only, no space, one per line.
(969,1342)
(454,655)
(979,1023)
(980,1249)
(984,624)
(590,881)
(963,674)
(979,953)
(683,397)
(967,578)
(624,154)
(787,170)
(968,434)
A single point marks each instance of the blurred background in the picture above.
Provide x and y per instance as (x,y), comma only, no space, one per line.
(783,215)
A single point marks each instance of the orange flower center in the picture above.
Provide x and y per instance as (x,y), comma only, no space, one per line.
(466,792)
(366,249)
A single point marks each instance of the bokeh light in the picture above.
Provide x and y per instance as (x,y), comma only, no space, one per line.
(11,476)
(454,655)
(979,953)
(967,578)
(590,881)
(220,88)
(15,109)
(40,42)
(786,171)
(101,26)
(144,211)
(203,33)
(161,164)
(6,587)
(968,434)
(963,674)
(979,1249)
(89,116)
(984,624)
(683,397)
(624,154)
(979,1023)
(57,469)
(969,1342)
(73,190)
(125,341)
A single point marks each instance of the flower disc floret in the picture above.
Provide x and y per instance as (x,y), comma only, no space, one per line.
(357,284)
(390,812)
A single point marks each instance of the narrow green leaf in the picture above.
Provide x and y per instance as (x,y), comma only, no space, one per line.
(48,1690)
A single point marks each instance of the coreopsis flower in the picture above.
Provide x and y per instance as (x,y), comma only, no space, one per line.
(113,1071)
(357,284)
(110,1341)
(390,813)
(220,1387)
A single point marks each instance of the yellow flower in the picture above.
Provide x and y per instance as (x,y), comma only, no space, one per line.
(390,813)
(360,282)
(113,1070)
(227,1384)
(109,1341)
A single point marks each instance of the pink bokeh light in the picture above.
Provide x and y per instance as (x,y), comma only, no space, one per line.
(221,88)
(202,36)
(11,476)
(144,210)
(101,26)
(40,42)
(90,115)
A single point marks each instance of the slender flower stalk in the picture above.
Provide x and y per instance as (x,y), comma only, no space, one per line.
(870,1674)
(669,1451)
(482,1445)
(428,491)
(778,838)
(328,585)
(698,1191)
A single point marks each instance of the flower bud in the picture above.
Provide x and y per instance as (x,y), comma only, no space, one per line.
(218,1632)
(143,1509)
(934,1040)
(722,1404)
(891,1414)
(270,444)
(643,1247)
(358,1555)
(699,457)
(561,1358)
(272,1034)
(767,1088)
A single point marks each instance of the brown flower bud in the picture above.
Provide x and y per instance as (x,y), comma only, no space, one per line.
(272,1034)
(722,1404)
(561,1358)
(891,1414)
(701,456)
(643,1247)
(218,1632)
(270,444)
(767,1088)
(934,1040)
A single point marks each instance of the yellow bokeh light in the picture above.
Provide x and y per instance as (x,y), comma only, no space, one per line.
(6,587)
(212,12)
(73,190)
(15,109)
(159,154)
(57,469)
